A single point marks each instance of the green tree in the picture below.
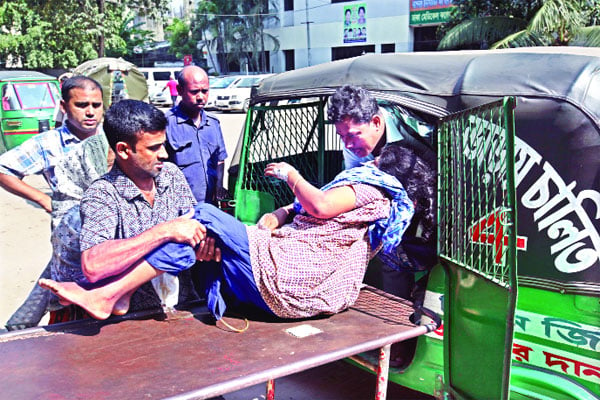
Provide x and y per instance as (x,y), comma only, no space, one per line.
(180,36)
(515,23)
(30,36)
(215,24)
(253,35)
(63,33)
(233,31)
(131,38)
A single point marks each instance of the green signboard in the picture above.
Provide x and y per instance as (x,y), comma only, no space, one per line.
(430,17)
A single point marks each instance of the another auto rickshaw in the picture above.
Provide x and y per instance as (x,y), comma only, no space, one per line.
(30,101)
(120,79)
(517,137)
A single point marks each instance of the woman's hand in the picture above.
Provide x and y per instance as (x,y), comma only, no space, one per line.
(279,170)
(275,219)
(268,222)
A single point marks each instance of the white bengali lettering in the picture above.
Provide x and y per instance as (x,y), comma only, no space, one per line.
(555,205)
(569,237)
(484,141)
(525,158)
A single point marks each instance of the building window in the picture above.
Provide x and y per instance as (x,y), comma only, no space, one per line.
(290,64)
(267,62)
(339,53)
(288,5)
(388,48)
(425,38)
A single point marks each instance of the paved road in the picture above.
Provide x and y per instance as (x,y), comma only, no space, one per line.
(24,247)
(231,125)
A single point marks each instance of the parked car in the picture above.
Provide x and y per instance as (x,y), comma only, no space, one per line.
(237,96)
(516,134)
(161,99)
(30,101)
(216,88)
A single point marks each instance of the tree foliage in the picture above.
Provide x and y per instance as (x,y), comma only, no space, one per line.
(181,39)
(231,32)
(38,34)
(130,39)
(515,23)
(251,43)
(64,33)
(215,22)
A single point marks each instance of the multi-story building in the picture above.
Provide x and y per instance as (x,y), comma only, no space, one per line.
(311,32)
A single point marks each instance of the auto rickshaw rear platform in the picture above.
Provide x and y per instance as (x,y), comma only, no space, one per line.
(186,356)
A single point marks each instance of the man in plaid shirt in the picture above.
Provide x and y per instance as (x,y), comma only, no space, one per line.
(82,104)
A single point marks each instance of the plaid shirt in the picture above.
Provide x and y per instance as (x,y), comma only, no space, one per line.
(114,208)
(39,155)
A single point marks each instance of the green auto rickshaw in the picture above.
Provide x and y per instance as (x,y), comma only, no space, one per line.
(516,135)
(30,101)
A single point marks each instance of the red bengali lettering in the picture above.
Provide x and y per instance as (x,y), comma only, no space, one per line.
(521,352)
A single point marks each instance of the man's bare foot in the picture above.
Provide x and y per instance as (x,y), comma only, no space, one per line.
(89,300)
(122,305)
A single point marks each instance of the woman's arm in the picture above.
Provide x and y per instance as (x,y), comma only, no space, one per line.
(317,203)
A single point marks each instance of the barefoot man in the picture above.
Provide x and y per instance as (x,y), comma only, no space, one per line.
(139,205)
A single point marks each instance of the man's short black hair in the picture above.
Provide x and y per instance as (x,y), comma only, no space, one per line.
(352,102)
(127,119)
(78,82)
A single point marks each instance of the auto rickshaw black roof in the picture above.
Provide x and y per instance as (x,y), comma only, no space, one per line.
(452,81)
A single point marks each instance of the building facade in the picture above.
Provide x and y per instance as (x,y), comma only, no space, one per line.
(312,32)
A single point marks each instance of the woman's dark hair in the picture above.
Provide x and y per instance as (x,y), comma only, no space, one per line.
(418,179)
(127,119)
(352,102)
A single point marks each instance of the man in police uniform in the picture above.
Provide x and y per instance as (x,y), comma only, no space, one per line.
(194,138)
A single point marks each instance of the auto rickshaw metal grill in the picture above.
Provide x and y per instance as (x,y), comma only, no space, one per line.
(475,216)
(477,238)
(295,133)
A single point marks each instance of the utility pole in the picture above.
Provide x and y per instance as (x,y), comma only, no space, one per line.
(101,38)
(307,34)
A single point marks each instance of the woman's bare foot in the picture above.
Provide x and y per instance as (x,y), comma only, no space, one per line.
(90,300)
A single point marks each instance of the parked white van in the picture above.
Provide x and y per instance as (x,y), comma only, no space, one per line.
(157,78)
(237,96)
